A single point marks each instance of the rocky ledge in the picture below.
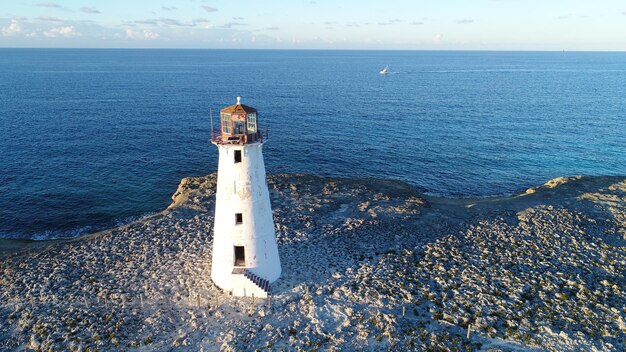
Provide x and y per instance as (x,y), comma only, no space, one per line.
(367,265)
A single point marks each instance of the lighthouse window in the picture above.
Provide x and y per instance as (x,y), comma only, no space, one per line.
(225,123)
(237,156)
(240,127)
(238,218)
(252,122)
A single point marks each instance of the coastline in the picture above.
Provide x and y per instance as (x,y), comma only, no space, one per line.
(349,249)
(13,244)
(7,244)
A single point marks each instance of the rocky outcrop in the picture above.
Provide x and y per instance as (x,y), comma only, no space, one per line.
(367,264)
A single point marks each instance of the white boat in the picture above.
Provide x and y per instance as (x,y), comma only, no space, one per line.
(384,70)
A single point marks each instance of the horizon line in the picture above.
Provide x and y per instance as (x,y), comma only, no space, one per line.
(319,49)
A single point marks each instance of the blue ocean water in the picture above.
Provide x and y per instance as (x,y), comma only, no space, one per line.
(89,138)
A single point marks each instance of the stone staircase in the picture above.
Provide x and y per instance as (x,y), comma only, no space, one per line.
(246,284)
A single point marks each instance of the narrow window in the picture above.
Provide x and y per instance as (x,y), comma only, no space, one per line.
(237,156)
(238,218)
(240,256)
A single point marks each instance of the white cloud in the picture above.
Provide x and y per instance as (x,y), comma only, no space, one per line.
(13,28)
(438,38)
(89,9)
(167,22)
(146,34)
(52,5)
(150,22)
(66,32)
(209,9)
(49,18)
(49,4)
(390,22)
(231,25)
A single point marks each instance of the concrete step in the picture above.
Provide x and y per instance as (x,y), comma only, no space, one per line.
(246,283)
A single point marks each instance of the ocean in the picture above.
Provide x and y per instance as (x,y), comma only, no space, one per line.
(91,138)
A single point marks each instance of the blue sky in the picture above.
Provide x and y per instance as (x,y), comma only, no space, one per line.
(317,24)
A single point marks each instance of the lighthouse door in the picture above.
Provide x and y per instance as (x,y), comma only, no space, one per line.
(240,256)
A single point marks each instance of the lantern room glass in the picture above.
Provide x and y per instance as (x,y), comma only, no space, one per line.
(251,122)
(225,123)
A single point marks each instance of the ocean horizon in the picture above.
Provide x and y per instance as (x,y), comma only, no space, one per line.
(91,138)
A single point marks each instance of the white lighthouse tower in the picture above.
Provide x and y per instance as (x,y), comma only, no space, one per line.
(245,255)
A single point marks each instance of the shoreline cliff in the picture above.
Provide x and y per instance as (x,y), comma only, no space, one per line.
(367,265)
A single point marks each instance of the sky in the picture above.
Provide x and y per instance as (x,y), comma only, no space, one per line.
(318,24)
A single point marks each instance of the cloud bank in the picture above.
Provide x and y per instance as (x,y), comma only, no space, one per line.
(13,28)
(145,34)
(66,32)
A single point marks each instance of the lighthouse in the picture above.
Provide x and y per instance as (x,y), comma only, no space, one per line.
(245,255)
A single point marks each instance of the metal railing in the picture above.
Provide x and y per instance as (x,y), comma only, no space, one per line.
(239,139)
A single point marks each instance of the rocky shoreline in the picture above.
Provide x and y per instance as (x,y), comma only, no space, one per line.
(367,265)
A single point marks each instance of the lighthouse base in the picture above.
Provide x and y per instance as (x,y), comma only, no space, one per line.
(248,284)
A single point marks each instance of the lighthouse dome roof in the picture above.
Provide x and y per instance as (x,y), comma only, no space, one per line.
(238,108)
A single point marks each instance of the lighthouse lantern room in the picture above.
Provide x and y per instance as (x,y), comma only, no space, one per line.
(239,124)
(245,255)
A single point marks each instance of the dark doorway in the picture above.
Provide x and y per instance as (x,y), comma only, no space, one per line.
(237,156)
(240,256)
(238,218)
